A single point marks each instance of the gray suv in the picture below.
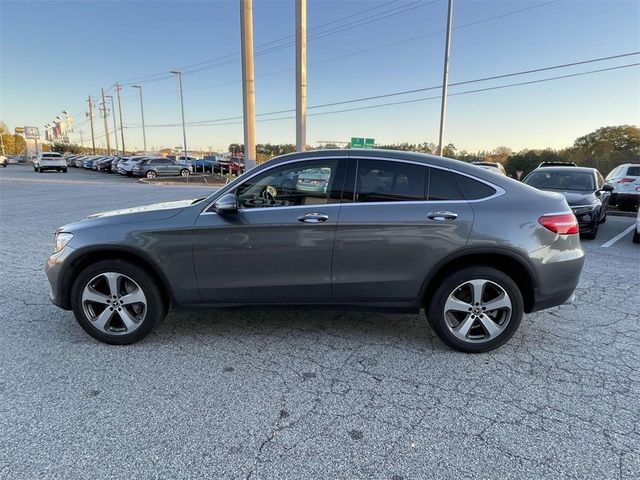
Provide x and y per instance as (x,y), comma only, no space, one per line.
(379,230)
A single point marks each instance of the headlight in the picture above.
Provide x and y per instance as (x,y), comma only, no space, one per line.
(60,241)
(586,208)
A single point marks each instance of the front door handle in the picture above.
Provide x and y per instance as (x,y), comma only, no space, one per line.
(442,215)
(315,217)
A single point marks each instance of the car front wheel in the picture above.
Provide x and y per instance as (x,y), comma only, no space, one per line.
(117,302)
(476,309)
(184,172)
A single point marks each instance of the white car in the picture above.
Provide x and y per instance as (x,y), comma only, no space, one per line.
(625,181)
(3,161)
(49,161)
(125,166)
(636,233)
(494,167)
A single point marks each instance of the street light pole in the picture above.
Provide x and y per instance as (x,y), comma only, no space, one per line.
(144,135)
(445,78)
(301,75)
(248,83)
(184,128)
(115,128)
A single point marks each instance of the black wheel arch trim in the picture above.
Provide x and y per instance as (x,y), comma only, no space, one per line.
(64,287)
(513,254)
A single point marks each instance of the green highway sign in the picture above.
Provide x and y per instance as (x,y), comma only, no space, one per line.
(359,142)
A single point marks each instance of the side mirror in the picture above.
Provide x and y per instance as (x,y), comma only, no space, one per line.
(227,204)
(607,188)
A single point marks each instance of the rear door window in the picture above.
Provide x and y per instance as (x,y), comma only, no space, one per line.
(633,171)
(442,187)
(389,181)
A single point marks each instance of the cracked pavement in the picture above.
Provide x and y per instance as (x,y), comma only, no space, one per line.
(305,394)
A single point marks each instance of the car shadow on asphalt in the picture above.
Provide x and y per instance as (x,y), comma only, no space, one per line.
(402,330)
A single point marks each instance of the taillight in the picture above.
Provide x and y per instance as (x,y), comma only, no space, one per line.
(626,180)
(562,224)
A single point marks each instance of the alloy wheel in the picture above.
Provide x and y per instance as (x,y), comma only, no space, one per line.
(151,174)
(477,311)
(114,303)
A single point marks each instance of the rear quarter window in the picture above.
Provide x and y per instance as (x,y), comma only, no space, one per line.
(473,189)
(633,171)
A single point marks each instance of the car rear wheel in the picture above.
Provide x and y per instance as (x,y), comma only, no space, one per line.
(184,172)
(151,174)
(117,302)
(636,236)
(476,309)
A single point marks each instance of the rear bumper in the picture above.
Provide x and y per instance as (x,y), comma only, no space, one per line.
(558,268)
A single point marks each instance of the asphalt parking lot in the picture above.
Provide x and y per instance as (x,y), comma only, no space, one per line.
(305,394)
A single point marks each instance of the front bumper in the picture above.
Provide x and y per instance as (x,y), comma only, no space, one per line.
(54,271)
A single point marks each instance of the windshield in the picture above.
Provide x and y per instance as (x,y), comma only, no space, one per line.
(562,180)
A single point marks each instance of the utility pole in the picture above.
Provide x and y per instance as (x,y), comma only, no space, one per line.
(248,83)
(81,138)
(184,128)
(144,134)
(445,78)
(115,128)
(106,128)
(118,88)
(301,75)
(93,137)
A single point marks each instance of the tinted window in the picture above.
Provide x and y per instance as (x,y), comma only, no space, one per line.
(442,186)
(386,181)
(304,183)
(562,180)
(634,171)
(473,189)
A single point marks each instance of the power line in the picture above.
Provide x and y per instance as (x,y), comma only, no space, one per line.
(367,50)
(406,92)
(260,50)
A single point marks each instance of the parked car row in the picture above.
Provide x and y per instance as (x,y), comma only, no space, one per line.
(153,166)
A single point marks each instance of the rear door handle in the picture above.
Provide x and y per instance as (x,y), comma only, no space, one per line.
(442,216)
(315,217)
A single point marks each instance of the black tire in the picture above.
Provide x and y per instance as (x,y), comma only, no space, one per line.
(604,219)
(64,170)
(41,170)
(436,306)
(184,172)
(593,233)
(151,174)
(636,236)
(156,309)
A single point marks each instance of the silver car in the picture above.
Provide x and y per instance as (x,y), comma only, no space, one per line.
(391,231)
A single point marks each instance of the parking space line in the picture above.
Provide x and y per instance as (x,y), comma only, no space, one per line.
(618,237)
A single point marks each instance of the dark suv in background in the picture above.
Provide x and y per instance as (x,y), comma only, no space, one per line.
(585,191)
(365,229)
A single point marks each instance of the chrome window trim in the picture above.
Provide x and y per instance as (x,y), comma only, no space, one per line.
(499,190)
(236,182)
